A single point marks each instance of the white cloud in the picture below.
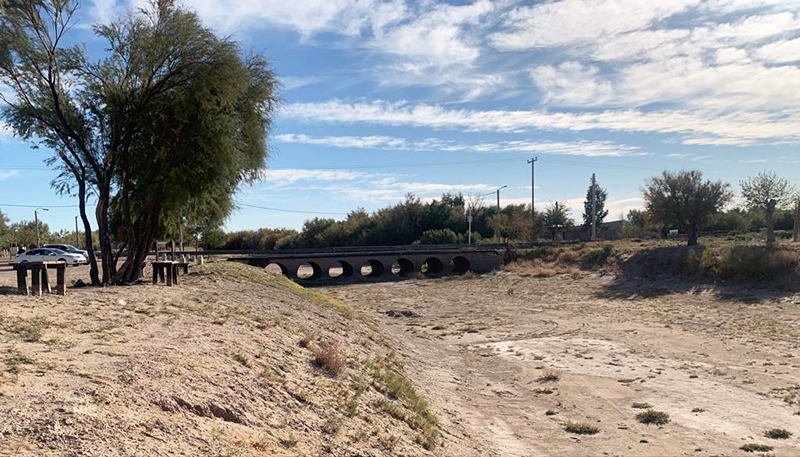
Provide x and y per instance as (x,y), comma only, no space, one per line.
(345,17)
(574,148)
(784,51)
(288,176)
(293,82)
(574,21)
(572,83)
(8,174)
(759,126)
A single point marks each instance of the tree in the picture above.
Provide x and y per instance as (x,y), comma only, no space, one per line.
(767,192)
(684,200)
(165,125)
(556,217)
(600,207)
(637,218)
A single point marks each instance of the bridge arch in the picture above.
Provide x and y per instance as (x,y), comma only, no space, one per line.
(432,266)
(376,268)
(315,273)
(276,268)
(402,267)
(346,267)
(459,265)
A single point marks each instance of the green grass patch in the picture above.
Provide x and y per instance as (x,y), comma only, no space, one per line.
(753,447)
(404,402)
(778,434)
(653,417)
(641,406)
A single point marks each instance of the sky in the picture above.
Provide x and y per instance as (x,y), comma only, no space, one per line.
(382,98)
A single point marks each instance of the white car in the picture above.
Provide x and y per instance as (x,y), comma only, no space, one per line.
(50,255)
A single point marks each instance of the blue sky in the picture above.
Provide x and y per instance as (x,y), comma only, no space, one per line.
(381,98)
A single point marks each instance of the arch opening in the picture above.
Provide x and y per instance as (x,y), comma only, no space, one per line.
(276,268)
(372,269)
(341,269)
(432,266)
(402,267)
(459,265)
(309,270)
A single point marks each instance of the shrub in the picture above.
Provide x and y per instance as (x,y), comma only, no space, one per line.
(778,434)
(752,263)
(330,359)
(445,236)
(641,406)
(549,376)
(597,257)
(653,417)
(581,428)
(753,447)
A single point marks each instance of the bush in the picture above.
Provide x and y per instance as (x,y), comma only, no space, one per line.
(778,434)
(581,428)
(653,417)
(445,236)
(752,263)
(753,447)
(597,257)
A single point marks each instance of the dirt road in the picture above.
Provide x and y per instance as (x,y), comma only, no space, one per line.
(725,367)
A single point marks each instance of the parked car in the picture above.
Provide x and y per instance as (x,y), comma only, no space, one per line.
(68,248)
(50,254)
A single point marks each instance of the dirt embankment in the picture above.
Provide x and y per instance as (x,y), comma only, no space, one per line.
(233,362)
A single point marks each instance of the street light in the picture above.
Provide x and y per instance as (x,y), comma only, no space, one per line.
(498,196)
(36,218)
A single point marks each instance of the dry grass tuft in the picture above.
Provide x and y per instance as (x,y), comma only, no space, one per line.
(549,376)
(330,358)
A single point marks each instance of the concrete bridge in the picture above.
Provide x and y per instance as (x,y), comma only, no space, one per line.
(377,263)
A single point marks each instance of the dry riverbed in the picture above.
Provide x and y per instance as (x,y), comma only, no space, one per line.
(725,366)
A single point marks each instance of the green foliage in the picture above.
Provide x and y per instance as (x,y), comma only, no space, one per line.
(768,192)
(581,428)
(556,217)
(445,236)
(653,417)
(751,263)
(778,434)
(600,207)
(597,257)
(684,200)
(754,447)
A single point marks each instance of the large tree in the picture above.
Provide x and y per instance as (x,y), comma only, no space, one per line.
(768,192)
(684,200)
(600,210)
(164,126)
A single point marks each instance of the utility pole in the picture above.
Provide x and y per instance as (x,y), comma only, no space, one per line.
(469,221)
(77,242)
(797,219)
(498,197)
(533,195)
(594,207)
(36,221)
(180,234)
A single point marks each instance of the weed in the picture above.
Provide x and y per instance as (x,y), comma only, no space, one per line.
(778,434)
(550,412)
(653,417)
(753,447)
(30,330)
(242,358)
(549,376)
(543,391)
(698,410)
(330,358)
(580,428)
(288,442)
(626,381)
(306,340)
(332,426)
(641,406)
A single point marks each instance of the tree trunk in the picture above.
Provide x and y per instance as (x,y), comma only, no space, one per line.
(145,227)
(693,235)
(87,230)
(106,252)
(769,213)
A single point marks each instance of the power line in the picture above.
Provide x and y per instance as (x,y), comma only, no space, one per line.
(290,210)
(38,206)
